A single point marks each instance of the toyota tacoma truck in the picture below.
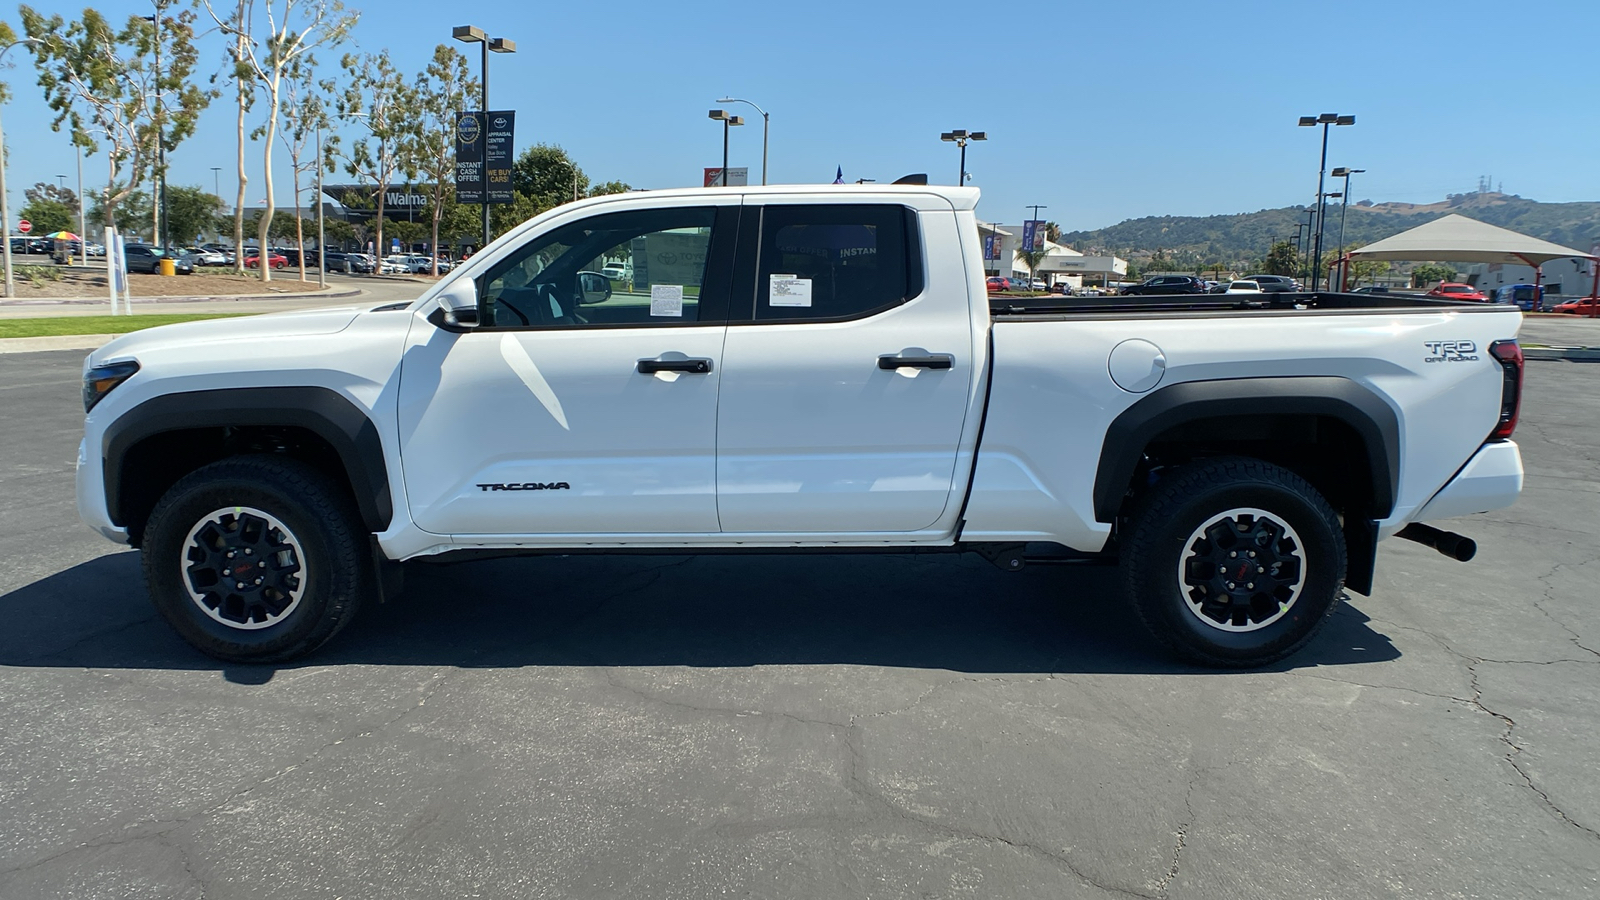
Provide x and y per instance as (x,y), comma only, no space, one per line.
(795,369)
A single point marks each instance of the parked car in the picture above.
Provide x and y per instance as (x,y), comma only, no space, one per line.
(1451,290)
(998,283)
(1275,284)
(1243,286)
(1527,297)
(1372,289)
(274,258)
(361,263)
(1583,306)
(204,257)
(422,264)
(395,264)
(617,271)
(1243,489)
(147,259)
(1168,284)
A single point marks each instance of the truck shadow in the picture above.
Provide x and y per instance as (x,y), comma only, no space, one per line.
(936,611)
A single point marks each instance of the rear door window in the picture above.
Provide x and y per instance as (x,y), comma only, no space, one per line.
(833,262)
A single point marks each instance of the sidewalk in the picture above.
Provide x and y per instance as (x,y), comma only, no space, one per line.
(99,306)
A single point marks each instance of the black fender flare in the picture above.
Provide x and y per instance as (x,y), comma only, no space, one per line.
(320,410)
(1311,395)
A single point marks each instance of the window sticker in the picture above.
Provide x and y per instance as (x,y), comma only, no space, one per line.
(666,300)
(789,290)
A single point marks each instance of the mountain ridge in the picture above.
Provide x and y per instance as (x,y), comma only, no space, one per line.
(1246,237)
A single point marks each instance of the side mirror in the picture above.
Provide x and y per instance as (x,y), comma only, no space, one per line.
(593,288)
(458,307)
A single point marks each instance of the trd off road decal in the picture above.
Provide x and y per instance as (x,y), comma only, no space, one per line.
(1450,351)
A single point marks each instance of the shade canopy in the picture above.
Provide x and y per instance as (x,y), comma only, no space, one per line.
(1456,238)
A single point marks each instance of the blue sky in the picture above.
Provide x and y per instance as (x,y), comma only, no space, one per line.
(1103,111)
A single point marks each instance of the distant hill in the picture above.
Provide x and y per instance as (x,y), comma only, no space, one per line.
(1245,237)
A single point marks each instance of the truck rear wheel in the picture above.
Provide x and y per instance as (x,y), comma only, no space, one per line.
(256,559)
(1234,562)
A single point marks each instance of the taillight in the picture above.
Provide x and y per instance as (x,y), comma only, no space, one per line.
(1509,355)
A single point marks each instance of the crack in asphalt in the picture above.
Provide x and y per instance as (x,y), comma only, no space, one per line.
(1471,664)
(1549,595)
(1181,836)
(1513,751)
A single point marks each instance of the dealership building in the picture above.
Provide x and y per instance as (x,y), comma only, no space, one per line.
(1061,264)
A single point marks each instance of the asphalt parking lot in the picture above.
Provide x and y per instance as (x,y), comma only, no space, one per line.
(813,727)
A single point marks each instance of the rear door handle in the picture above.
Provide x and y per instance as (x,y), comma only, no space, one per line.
(931,361)
(692,366)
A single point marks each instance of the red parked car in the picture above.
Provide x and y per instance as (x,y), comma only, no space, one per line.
(1451,290)
(1583,306)
(999,283)
(274,259)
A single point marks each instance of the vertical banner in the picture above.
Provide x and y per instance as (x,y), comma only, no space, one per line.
(991,246)
(469,157)
(1032,235)
(498,150)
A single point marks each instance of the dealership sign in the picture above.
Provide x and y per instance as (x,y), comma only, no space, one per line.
(498,147)
(469,157)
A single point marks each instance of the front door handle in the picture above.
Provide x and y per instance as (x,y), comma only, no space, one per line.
(692,366)
(931,361)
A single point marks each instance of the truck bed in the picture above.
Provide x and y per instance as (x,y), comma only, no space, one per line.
(1056,307)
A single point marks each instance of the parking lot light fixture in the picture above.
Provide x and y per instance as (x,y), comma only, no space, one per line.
(1325,120)
(721,115)
(472,34)
(766,121)
(960,137)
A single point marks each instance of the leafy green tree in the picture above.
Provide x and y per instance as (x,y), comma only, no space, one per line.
(610,187)
(193,213)
(103,84)
(1367,270)
(378,97)
(1031,259)
(339,232)
(128,215)
(505,216)
(1431,273)
(50,208)
(545,174)
(292,33)
(441,90)
(1282,259)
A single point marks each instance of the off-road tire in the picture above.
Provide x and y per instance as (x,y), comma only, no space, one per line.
(1178,577)
(325,544)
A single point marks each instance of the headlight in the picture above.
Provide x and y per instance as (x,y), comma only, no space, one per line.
(99,380)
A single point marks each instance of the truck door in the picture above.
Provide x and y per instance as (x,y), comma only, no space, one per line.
(847,370)
(580,405)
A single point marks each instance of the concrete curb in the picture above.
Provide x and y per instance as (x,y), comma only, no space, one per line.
(56,342)
(46,302)
(1576,354)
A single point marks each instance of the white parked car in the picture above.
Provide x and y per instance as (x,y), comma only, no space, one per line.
(833,378)
(1243,287)
(395,264)
(617,271)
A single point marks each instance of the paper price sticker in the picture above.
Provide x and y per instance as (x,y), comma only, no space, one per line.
(789,290)
(666,300)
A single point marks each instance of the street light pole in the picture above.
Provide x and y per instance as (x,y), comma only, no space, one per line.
(960,137)
(766,122)
(1326,120)
(728,122)
(472,34)
(1322,212)
(5,204)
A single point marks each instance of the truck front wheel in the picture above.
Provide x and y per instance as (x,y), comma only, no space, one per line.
(1234,562)
(255,559)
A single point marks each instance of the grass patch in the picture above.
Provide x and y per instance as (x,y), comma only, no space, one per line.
(63,325)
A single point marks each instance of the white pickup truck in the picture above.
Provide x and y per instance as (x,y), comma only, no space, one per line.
(795,369)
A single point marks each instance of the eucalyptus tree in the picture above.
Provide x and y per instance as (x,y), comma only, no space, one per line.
(377,97)
(289,31)
(441,91)
(104,86)
(305,116)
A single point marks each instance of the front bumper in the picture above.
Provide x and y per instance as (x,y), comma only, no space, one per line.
(92,507)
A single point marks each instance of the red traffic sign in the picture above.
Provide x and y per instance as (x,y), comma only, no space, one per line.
(24,226)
